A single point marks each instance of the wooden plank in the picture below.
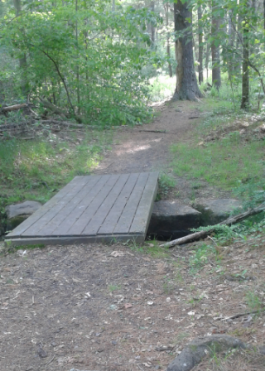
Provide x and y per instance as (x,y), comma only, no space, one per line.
(78,227)
(70,240)
(95,223)
(112,218)
(44,209)
(104,209)
(68,225)
(55,209)
(127,216)
(67,215)
(144,209)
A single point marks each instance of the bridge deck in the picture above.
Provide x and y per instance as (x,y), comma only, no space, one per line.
(105,208)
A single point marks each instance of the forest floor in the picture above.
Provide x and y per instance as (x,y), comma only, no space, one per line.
(130,307)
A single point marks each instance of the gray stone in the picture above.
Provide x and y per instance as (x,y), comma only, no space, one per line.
(17,213)
(172,219)
(215,211)
(192,354)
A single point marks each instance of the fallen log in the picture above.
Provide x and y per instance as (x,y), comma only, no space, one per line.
(64,123)
(15,107)
(59,110)
(153,131)
(202,234)
(53,108)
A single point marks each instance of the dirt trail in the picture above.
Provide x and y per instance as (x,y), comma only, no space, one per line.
(129,308)
(141,149)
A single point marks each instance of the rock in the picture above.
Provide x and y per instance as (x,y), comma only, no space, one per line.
(2,224)
(214,211)
(172,219)
(17,213)
(192,354)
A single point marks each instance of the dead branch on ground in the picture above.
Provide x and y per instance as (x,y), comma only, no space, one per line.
(202,234)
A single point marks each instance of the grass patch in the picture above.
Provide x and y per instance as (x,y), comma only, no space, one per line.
(151,248)
(202,255)
(35,169)
(253,301)
(222,163)
(165,183)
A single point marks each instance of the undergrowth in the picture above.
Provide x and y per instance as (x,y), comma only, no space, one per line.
(228,159)
(38,168)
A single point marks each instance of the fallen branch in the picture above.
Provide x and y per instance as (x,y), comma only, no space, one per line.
(202,234)
(53,108)
(64,123)
(153,131)
(241,315)
(13,126)
(15,107)
(59,110)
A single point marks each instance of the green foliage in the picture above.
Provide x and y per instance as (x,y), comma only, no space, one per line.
(83,57)
(151,248)
(36,169)
(201,256)
(162,87)
(165,183)
(221,163)
(251,191)
(253,301)
(114,288)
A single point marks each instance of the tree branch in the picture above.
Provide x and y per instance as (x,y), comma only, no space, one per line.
(202,234)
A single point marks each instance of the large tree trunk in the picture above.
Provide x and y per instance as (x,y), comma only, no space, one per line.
(200,34)
(216,73)
(186,87)
(166,6)
(264,14)
(231,40)
(207,57)
(245,65)
(152,28)
(23,58)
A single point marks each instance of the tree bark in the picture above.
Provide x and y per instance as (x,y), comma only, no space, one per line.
(264,14)
(152,28)
(207,57)
(200,35)
(216,73)
(231,40)
(23,58)
(245,65)
(168,41)
(186,87)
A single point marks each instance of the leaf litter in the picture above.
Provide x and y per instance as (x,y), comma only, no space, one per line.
(84,307)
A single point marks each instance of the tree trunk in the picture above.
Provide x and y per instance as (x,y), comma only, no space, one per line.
(231,39)
(23,58)
(168,41)
(151,26)
(200,35)
(186,87)
(216,73)
(245,65)
(207,57)
(264,14)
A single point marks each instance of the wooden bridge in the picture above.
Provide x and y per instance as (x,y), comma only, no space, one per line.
(97,208)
